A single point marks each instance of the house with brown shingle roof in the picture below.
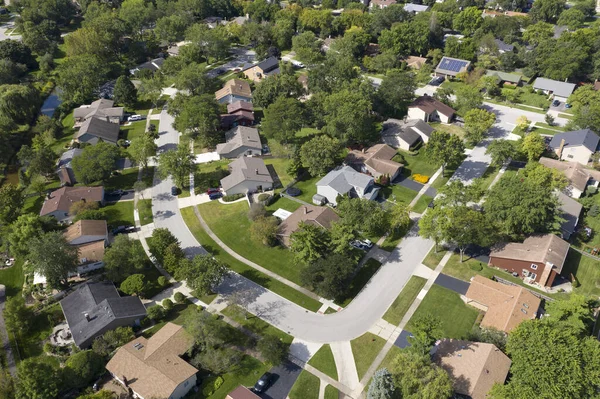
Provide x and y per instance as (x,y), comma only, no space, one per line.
(321,216)
(58,202)
(537,260)
(505,306)
(85,231)
(474,367)
(376,161)
(415,62)
(578,175)
(234,90)
(153,368)
(242,392)
(428,109)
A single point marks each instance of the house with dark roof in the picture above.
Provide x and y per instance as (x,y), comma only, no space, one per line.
(234,90)
(321,216)
(65,170)
(152,66)
(102,109)
(405,134)
(94,308)
(263,69)
(537,260)
(347,181)
(577,145)
(58,203)
(570,212)
(94,129)
(375,161)
(450,67)
(153,367)
(503,47)
(247,175)
(239,113)
(579,177)
(428,109)
(240,141)
(559,90)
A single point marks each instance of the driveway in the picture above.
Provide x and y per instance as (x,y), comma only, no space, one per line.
(408,183)
(5,29)
(452,283)
(286,375)
(402,340)
(128,195)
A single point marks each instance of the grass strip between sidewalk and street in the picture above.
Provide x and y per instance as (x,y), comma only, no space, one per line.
(244,270)
(402,303)
(323,361)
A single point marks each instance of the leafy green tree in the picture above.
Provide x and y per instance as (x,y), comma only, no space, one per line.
(10,72)
(178,162)
(264,230)
(82,368)
(547,10)
(501,151)
(456,193)
(477,123)
(283,119)
(577,312)
(212,43)
(39,160)
(167,304)
(53,257)
(172,256)
(269,90)
(37,380)
(445,149)
(179,297)
(396,92)
(348,116)
(22,231)
(405,38)
(79,76)
(309,243)
(202,274)
(133,285)
(466,226)
(150,89)
(320,154)
(156,312)
(123,258)
(536,33)
(17,315)
(207,331)
(533,146)
(329,276)
(217,360)
(353,43)
(382,385)
(96,162)
(364,215)
(11,203)
(20,103)
(125,92)
(199,116)
(425,331)
(399,216)
(341,234)
(307,47)
(415,376)
(111,340)
(7,385)
(193,78)
(272,349)
(572,17)
(489,335)
(468,98)
(162,239)
(467,21)
(332,74)
(432,225)
(17,52)
(142,148)
(172,27)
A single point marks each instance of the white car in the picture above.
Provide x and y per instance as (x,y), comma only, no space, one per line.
(134,118)
(367,243)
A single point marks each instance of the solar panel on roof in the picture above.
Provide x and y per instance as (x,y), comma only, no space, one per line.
(453,65)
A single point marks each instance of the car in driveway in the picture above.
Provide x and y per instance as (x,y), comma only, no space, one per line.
(438,80)
(123,230)
(134,118)
(555,103)
(212,191)
(366,243)
(358,245)
(174,190)
(215,196)
(263,383)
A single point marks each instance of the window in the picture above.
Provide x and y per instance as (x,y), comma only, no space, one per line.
(533,276)
(534,266)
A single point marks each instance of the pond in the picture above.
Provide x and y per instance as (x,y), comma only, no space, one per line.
(51,103)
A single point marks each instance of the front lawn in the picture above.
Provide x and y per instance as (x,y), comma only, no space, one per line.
(12,278)
(398,194)
(124,180)
(283,203)
(306,386)
(133,130)
(331,392)
(119,213)
(209,175)
(433,259)
(365,349)
(456,318)
(254,323)
(417,163)
(449,128)
(323,361)
(392,240)
(145,211)
(177,315)
(359,281)
(586,271)
(488,177)
(422,203)
(402,303)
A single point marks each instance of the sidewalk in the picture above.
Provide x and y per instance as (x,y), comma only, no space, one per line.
(426,187)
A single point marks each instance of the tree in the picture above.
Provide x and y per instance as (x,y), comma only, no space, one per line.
(477,123)
(150,89)
(283,119)
(207,331)
(547,10)
(572,17)
(167,304)
(40,159)
(466,226)
(577,312)
(125,92)
(468,98)
(217,360)
(309,242)
(328,276)
(22,231)
(456,193)
(111,340)
(348,116)
(536,33)
(179,162)
(399,216)
(142,148)
(7,385)
(202,274)
(123,258)
(405,38)
(11,203)
(172,256)
(353,43)
(272,349)
(17,52)
(179,297)
(53,257)
(193,78)
(96,162)
(340,235)
(37,380)
(156,312)
(489,335)
(320,154)
(364,215)
(415,376)
(16,315)
(79,76)
(211,43)
(172,27)
(82,206)
(82,368)
(425,331)
(396,92)
(20,103)
(264,230)
(274,87)
(199,116)
(133,285)
(445,149)
(533,146)
(162,239)
(382,385)
(500,151)
(467,21)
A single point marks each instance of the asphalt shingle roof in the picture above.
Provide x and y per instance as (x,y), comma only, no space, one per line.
(584,137)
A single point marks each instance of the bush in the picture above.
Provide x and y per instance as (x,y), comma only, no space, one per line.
(211,385)
(155,312)
(167,304)
(594,211)
(263,197)
(256,211)
(162,281)
(233,197)
(179,297)
(420,178)
(476,267)
(591,190)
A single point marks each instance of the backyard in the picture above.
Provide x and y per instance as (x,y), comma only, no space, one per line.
(586,270)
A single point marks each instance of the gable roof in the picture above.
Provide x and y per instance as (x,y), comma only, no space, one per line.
(67,156)
(504,76)
(268,65)
(239,105)
(474,367)
(234,87)
(100,128)
(91,251)
(415,62)
(584,137)
(344,179)
(571,210)
(240,136)
(86,228)
(246,168)
(561,89)
(577,174)
(102,304)
(416,8)
(322,216)
(507,305)
(547,248)
(429,104)
(378,157)
(503,46)
(452,66)
(100,108)
(64,197)
(153,367)
(242,392)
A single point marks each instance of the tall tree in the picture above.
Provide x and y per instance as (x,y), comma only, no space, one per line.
(178,162)
(194,79)
(283,119)
(501,151)
(96,162)
(162,239)
(348,116)
(364,215)
(37,380)
(382,385)
(203,273)
(468,98)
(547,10)
(320,154)
(396,92)
(329,276)
(53,257)
(199,116)
(142,148)
(466,226)
(79,76)
(123,258)
(416,376)
(533,146)
(477,123)
(22,231)
(272,88)
(125,92)
(11,203)
(445,149)
(264,230)
(309,243)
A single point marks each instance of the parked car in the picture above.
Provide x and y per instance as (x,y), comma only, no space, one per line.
(117,192)
(263,383)
(358,245)
(367,243)
(567,105)
(3,11)
(9,262)
(555,103)
(174,190)
(212,191)
(438,80)
(293,192)
(123,230)
(215,196)
(134,118)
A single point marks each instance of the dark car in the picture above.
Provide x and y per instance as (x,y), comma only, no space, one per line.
(174,190)
(263,383)
(116,193)
(293,191)
(555,103)
(215,196)
(123,230)
(212,191)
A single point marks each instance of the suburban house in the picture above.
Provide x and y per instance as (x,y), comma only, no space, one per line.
(234,90)
(58,203)
(405,134)
(247,175)
(240,141)
(577,145)
(415,8)
(321,216)
(102,109)
(537,260)
(152,65)
(265,68)
(239,113)
(65,171)
(504,77)
(559,90)
(94,308)
(503,47)
(98,120)
(213,22)
(242,392)
(375,161)
(570,212)
(415,62)
(494,14)
(505,306)
(381,3)
(240,20)
(94,129)
(86,231)
(346,181)
(578,176)
(428,109)
(174,49)
(153,367)
(450,67)
(473,367)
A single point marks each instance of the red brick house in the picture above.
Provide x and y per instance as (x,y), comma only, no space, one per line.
(538,259)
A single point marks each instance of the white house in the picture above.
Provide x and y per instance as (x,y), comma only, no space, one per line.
(405,134)
(345,180)
(248,175)
(428,109)
(559,90)
(577,145)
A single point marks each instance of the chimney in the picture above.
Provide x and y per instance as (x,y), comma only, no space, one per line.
(305,210)
(560,148)
(363,150)
(256,171)
(125,382)
(87,316)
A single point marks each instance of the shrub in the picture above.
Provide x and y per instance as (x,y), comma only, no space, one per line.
(256,211)
(167,304)
(420,178)
(155,312)
(162,281)
(179,297)
(233,197)
(211,385)
(594,211)
(263,197)
(591,190)
(476,267)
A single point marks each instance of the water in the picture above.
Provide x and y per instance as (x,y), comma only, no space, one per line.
(51,103)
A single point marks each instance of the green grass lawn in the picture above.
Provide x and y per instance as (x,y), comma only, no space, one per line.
(365,349)
(323,361)
(586,270)
(280,165)
(566,116)
(488,176)
(33,204)
(13,278)
(392,240)
(456,318)
(145,211)
(359,281)
(124,180)
(545,131)
(422,203)
(61,143)
(119,213)
(209,175)
(308,188)
(133,130)
(389,359)
(553,127)
(148,176)
(452,129)
(416,164)
(306,386)
(262,279)
(433,259)
(398,194)
(396,312)
(448,172)
(283,203)
(177,315)
(231,224)
(331,392)
(534,99)
(255,324)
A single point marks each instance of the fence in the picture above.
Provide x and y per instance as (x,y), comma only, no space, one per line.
(503,281)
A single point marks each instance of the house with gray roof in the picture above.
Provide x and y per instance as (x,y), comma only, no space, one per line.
(577,145)
(94,129)
(64,170)
(559,90)
(95,308)
(247,175)
(346,181)
(101,109)
(505,77)
(263,69)
(570,212)
(504,47)
(240,141)
(405,134)
(415,8)
(152,66)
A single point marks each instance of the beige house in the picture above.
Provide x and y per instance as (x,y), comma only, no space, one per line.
(375,161)
(474,367)
(234,90)
(153,368)
(428,109)
(263,69)
(321,216)
(248,175)
(505,306)
(85,231)
(576,146)
(579,177)
(416,62)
